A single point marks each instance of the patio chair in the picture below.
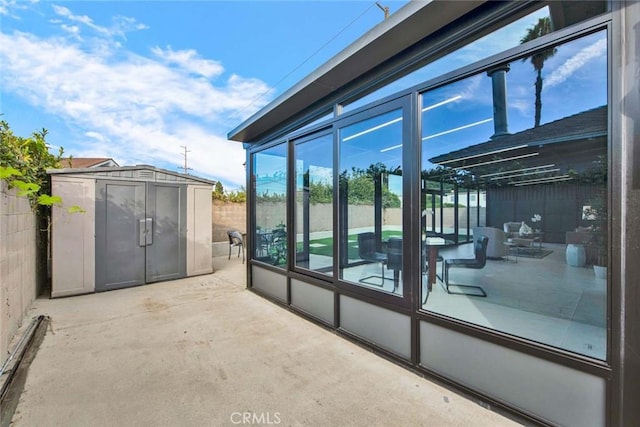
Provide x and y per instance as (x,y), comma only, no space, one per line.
(478,262)
(263,241)
(496,248)
(367,251)
(394,259)
(235,239)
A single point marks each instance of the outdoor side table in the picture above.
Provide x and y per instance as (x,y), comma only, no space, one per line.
(512,248)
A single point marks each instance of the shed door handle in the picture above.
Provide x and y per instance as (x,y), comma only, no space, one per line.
(145,232)
(149,231)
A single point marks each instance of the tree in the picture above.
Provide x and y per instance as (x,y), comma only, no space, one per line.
(24,163)
(361,186)
(320,192)
(542,27)
(218,191)
(237,196)
(220,194)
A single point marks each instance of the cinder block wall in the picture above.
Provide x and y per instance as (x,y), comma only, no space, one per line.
(232,216)
(17,263)
(227,216)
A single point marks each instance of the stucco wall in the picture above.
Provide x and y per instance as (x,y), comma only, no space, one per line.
(17,263)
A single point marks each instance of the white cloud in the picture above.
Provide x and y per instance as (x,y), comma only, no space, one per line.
(8,6)
(71,29)
(133,108)
(124,24)
(95,135)
(573,64)
(520,98)
(121,24)
(189,60)
(83,19)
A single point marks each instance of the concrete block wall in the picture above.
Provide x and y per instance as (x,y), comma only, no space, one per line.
(17,263)
(227,216)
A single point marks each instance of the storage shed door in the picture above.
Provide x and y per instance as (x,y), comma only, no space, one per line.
(120,260)
(140,233)
(166,256)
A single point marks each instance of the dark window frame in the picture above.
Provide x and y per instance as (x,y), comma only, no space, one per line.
(582,363)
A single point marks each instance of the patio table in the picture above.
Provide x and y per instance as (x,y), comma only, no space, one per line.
(512,248)
(528,241)
(433,244)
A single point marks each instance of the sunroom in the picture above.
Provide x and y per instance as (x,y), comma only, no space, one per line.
(442,196)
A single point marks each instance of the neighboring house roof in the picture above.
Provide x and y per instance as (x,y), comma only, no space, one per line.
(87,162)
(585,125)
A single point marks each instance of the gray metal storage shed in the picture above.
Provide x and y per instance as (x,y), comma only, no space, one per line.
(141,224)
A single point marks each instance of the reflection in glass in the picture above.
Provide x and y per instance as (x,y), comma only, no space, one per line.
(371,202)
(490,44)
(518,154)
(314,204)
(270,180)
(495,42)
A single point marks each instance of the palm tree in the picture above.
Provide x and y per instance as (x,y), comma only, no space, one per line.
(542,27)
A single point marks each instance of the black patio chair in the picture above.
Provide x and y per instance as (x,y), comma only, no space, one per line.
(478,262)
(394,259)
(235,239)
(367,251)
(263,241)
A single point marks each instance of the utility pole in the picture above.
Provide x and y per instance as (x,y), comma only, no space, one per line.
(385,9)
(185,168)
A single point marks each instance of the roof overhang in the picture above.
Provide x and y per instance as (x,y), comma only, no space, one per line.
(404,28)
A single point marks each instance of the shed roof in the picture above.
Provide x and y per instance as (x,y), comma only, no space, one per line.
(144,173)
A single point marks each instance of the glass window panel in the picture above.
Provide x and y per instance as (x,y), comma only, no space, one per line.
(270,180)
(532,147)
(316,122)
(371,202)
(493,43)
(314,204)
(559,13)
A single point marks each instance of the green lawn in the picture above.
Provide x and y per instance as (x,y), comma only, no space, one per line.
(327,249)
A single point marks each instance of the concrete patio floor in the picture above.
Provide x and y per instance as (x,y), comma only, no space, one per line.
(205,351)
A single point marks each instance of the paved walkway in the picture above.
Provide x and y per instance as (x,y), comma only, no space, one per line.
(203,351)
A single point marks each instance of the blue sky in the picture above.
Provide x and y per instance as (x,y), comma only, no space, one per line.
(137,80)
